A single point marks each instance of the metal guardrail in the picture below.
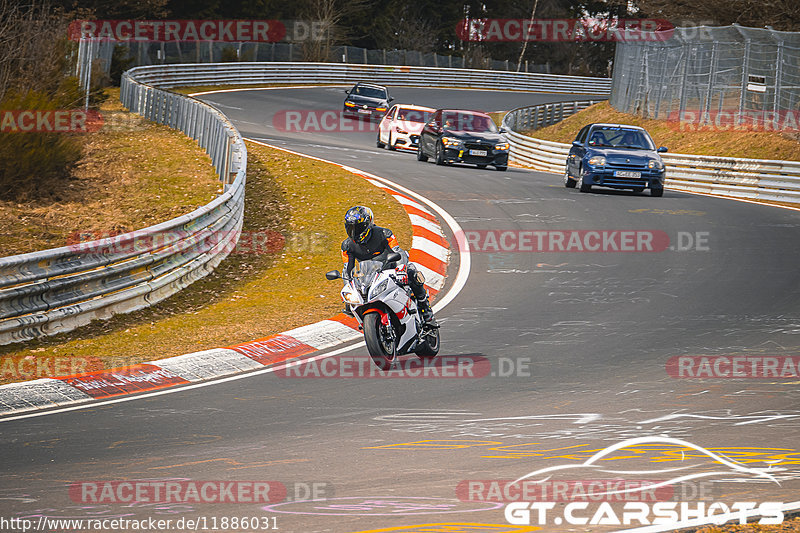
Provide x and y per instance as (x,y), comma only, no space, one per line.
(57,290)
(762,179)
(167,76)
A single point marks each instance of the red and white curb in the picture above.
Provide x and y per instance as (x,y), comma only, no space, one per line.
(429,251)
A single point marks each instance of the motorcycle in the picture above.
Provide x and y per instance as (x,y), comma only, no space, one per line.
(380,299)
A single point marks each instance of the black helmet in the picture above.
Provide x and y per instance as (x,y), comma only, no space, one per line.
(358,222)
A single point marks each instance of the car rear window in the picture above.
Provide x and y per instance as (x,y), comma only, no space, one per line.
(620,138)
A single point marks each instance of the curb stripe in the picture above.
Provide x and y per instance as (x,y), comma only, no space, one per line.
(422,244)
(421,259)
(428,235)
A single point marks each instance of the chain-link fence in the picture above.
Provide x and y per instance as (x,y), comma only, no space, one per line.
(158,53)
(709,70)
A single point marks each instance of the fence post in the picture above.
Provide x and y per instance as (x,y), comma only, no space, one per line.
(711,77)
(684,89)
(776,102)
(745,69)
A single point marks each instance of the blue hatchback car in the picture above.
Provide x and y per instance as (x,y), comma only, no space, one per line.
(617,156)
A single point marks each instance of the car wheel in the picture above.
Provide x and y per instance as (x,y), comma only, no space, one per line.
(568,182)
(420,155)
(439,155)
(481,166)
(658,192)
(501,168)
(378,142)
(391,142)
(584,187)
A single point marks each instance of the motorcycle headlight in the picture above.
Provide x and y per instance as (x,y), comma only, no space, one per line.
(597,161)
(450,141)
(379,288)
(350,297)
(501,146)
(655,164)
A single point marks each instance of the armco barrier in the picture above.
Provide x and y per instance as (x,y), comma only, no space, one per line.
(166,76)
(761,179)
(52,291)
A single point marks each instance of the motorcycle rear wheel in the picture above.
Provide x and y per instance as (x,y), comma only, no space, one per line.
(381,347)
(429,347)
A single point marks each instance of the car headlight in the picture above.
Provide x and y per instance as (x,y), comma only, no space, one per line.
(398,130)
(380,109)
(501,146)
(656,164)
(379,288)
(349,104)
(450,141)
(597,161)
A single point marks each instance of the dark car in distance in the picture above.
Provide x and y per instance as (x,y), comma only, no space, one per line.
(462,136)
(617,156)
(367,101)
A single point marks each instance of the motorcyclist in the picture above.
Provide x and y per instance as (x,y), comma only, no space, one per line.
(366,241)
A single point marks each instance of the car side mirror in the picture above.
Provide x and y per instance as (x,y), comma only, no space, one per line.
(662,149)
(391,98)
(347,91)
(576,144)
(333,274)
(393,257)
(503,130)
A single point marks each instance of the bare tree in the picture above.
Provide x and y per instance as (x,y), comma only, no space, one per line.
(33,47)
(781,14)
(327,14)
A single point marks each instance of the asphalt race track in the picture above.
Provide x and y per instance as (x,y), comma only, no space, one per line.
(576,343)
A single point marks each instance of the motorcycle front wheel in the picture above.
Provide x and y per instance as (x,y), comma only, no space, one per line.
(380,341)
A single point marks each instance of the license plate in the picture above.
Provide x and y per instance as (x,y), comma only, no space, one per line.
(364,111)
(627,174)
(479,153)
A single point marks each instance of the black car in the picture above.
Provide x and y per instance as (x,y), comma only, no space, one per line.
(460,136)
(617,156)
(366,100)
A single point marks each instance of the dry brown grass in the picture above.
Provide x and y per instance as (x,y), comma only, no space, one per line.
(133,174)
(755,145)
(249,295)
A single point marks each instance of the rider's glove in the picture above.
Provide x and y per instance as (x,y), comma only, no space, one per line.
(401,274)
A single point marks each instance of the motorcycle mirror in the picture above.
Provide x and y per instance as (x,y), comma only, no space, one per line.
(392,257)
(333,274)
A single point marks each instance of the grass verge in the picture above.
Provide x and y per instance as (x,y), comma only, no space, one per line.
(746,144)
(120,184)
(250,295)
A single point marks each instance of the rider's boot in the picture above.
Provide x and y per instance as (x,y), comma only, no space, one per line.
(427,313)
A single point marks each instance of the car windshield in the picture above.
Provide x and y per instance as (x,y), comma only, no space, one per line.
(468,122)
(369,92)
(414,115)
(621,138)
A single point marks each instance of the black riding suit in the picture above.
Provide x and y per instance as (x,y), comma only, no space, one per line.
(379,244)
